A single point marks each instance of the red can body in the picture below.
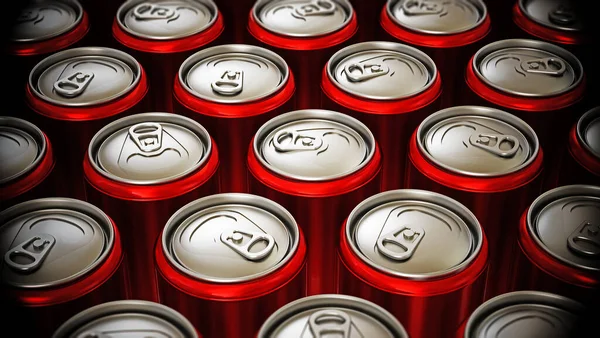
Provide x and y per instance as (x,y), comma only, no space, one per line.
(528,27)
(578,166)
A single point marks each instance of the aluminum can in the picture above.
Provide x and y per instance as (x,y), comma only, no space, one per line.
(317,316)
(388,86)
(305,33)
(450,32)
(228,261)
(318,164)
(142,168)
(80,90)
(128,317)
(559,236)
(488,160)
(232,90)
(59,256)
(161,34)
(26,162)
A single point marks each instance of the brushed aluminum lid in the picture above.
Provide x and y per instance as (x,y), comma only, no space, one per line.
(527,68)
(555,14)
(381,70)
(44,19)
(477,141)
(52,241)
(230,238)
(22,148)
(588,131)
(302,18)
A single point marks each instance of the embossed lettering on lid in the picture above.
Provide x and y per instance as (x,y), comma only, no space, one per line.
(555,14)
(588,131)
(22,147)
(42,20)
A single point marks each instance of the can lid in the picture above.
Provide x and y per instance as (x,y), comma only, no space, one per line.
(52,241)
(45,19)
(527,68)
(303,18)
(166,19)
(588,131)
(149,148)
(314,145)
(437,17)
(230,238)
(524,314)
(381,70)
(565,222)
(22,147)
(320,315)
(127,317)
(414,234)
(477,141)
(233,73)
(555,14)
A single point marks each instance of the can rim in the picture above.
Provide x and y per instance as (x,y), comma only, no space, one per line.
(543,32)
(76,6)
(521,6)
(36,134)
(332,300)
(582,123)
(126,306)
(585,159)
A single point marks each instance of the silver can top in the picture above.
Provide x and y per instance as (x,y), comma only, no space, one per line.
(318,316)
(233,73)
(528,68)
(437,16)
(477,141)
(565,222)
(302,18)
(524,314)
(381,70)
(82,77)
(555,14)
(230,238)
(414,234)
(45,19)
(314,145)
(588,131)
(127,318)
(150,148)
(166,19)
(22,148)
(52,241)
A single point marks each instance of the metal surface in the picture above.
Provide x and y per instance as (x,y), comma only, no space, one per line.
(588,131)
(22,147)
(555,14)
(42,20)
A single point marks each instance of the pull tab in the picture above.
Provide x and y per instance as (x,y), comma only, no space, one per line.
(547,66)
(491,143)
(229,84)
(30,15)
(407,238)
(422,7)
(147,136)
(29,255)
(74,84)
(357,72)
(562,16)
(298,143)
(585,240)
(234,239)
(316,7)
(330,322)
(93,335)
(148,11)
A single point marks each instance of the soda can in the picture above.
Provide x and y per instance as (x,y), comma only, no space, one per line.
(388,86)
(161,34)
(413,252)
(305,33)
(59,256)
(232,90)
(488,160)
(559,241)
(141,169)
(127,317)
(320,315)
(80,90)
(228,261)
(26,162)
(450,32)
(318,164)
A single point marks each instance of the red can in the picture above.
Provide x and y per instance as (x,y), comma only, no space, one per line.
(305,33)
(388,86)
(232,90)
(59,257)
(317,164)
(141,169)
(81,90)
(488,160)
(419,255)
(450,32)
(162,34)
(26,162)
(559,238)
(228,261)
